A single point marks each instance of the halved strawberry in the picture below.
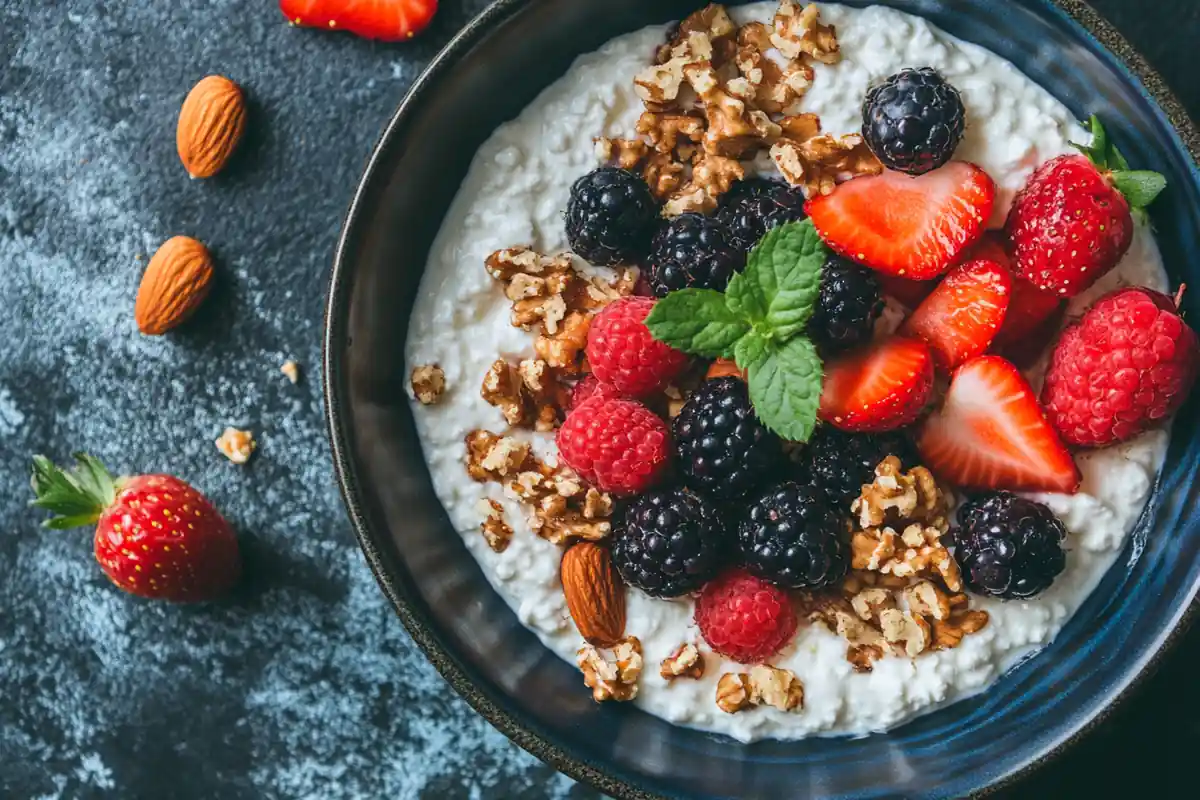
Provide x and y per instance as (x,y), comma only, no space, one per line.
(964,313)
(991,434)
(910,227)
(1028,309)
(910,293)
(878,388)
(386,20)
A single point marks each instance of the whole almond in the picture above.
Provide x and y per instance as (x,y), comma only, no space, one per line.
(211,124)
(595,594)
(176,282)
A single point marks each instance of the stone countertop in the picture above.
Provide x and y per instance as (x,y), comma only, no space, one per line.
(304,684)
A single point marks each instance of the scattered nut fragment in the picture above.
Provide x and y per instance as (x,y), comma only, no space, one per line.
(428,382)
(685,662)
(800,33)
(236,445)
(491,457)
(733,692)
(821,162)
(764,685)
(496,531)
(176,282)
(211,124)
(614,678)
(905,630)
(291,371)
(624,153)
(529,394)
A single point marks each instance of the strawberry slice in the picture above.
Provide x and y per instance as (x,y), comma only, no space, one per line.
(910,227)
(909,293)
(964,313)
(878,388)
(386,20)
(991,434)
(1029,308)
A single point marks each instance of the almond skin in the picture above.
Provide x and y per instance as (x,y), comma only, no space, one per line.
(211,124)
(176,282)
(595,594)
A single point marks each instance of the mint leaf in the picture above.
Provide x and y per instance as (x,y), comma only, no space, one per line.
(697,321)
(1140,187)
(785,386)
(750,349)
(782,278)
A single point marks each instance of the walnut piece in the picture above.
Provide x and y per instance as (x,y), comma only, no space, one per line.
(496,530)
(613,677)
(236,445)
(818,164)
(491,457)
(529,394)
(291,370)
(564,349)
(623,153)
(764,685)
(800,33)
(428,383)
(733,692)
(685,662)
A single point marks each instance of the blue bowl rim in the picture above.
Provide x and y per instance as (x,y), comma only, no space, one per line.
(420,626)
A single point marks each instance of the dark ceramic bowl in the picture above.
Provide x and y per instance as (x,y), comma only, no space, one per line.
(485,77)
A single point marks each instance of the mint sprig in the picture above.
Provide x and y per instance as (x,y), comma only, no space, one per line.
(1140,187)
(759,322)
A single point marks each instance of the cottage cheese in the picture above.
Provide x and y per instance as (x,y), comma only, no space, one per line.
(515,193)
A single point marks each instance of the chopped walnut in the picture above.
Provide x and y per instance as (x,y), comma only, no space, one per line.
(733,692)
(903,629)
(492,458)
(624,153)
(291,371)
(529,394)
(675,133)
(819,163)
(615,677)
(564,349)
(712,176)
(660,84)
(712,21)
(496,531)
(686,662)
(664,175)
(800,33)
(428,383)
(236,445)
(771,86)
(927,600)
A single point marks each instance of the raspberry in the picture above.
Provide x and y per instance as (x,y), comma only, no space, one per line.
(624,355)
(1128,363)
(744,617)
(591,387)
(618,445)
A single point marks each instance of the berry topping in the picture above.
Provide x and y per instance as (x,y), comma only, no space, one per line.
(590,387)
(878,388)
(1030,310)
(755,206)
(618,445)
(1128,363)
(910,227)
(847,307)
(745,618)
(1072,222)
(991,434)
(913,121)
(964,313)
(611,217)
(625,356)
(792,538)
(693,251)
(1008,546)
(839,463)
(907,292)
(156,536)
(722,446)
(668,542)
(386,20)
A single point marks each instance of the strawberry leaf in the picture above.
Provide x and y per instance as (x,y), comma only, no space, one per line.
(697,321)
(785,385)
(779,286)
(1140,187)
(77,497)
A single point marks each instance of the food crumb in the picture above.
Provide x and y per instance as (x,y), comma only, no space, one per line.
(236,445)
(292,370)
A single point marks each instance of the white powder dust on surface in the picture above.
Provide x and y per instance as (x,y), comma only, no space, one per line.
(303,684)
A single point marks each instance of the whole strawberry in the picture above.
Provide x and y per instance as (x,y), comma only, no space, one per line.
(156,536)
(1128,363)
(1073,221)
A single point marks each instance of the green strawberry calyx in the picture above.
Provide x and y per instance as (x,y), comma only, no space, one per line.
(76,497)
(1139,187)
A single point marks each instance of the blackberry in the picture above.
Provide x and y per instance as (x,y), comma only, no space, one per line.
(913,121)
(611,217)
(849,303)
(792,538)
(1007,546)
(755,206)
(693,250)
(839,463)
(668,542)
(721,446)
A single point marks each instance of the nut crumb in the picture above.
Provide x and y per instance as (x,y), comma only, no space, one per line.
(428,383)
(613,677)
(236,445)
(685,662)
(496,531)
(733,692)
(764,685)
(292,371)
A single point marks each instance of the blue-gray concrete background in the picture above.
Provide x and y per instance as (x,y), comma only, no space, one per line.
(304,684)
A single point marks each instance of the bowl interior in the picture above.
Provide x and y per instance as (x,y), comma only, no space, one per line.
(496,67)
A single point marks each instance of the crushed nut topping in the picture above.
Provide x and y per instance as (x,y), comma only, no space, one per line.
(496,531)
(529,394)
(764,685)
(291,371)
(685,662)
(428,383)
(236,445)
(799,32)
(819,163)
(613,677)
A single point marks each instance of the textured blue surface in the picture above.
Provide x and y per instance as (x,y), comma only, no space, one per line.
(304,684)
